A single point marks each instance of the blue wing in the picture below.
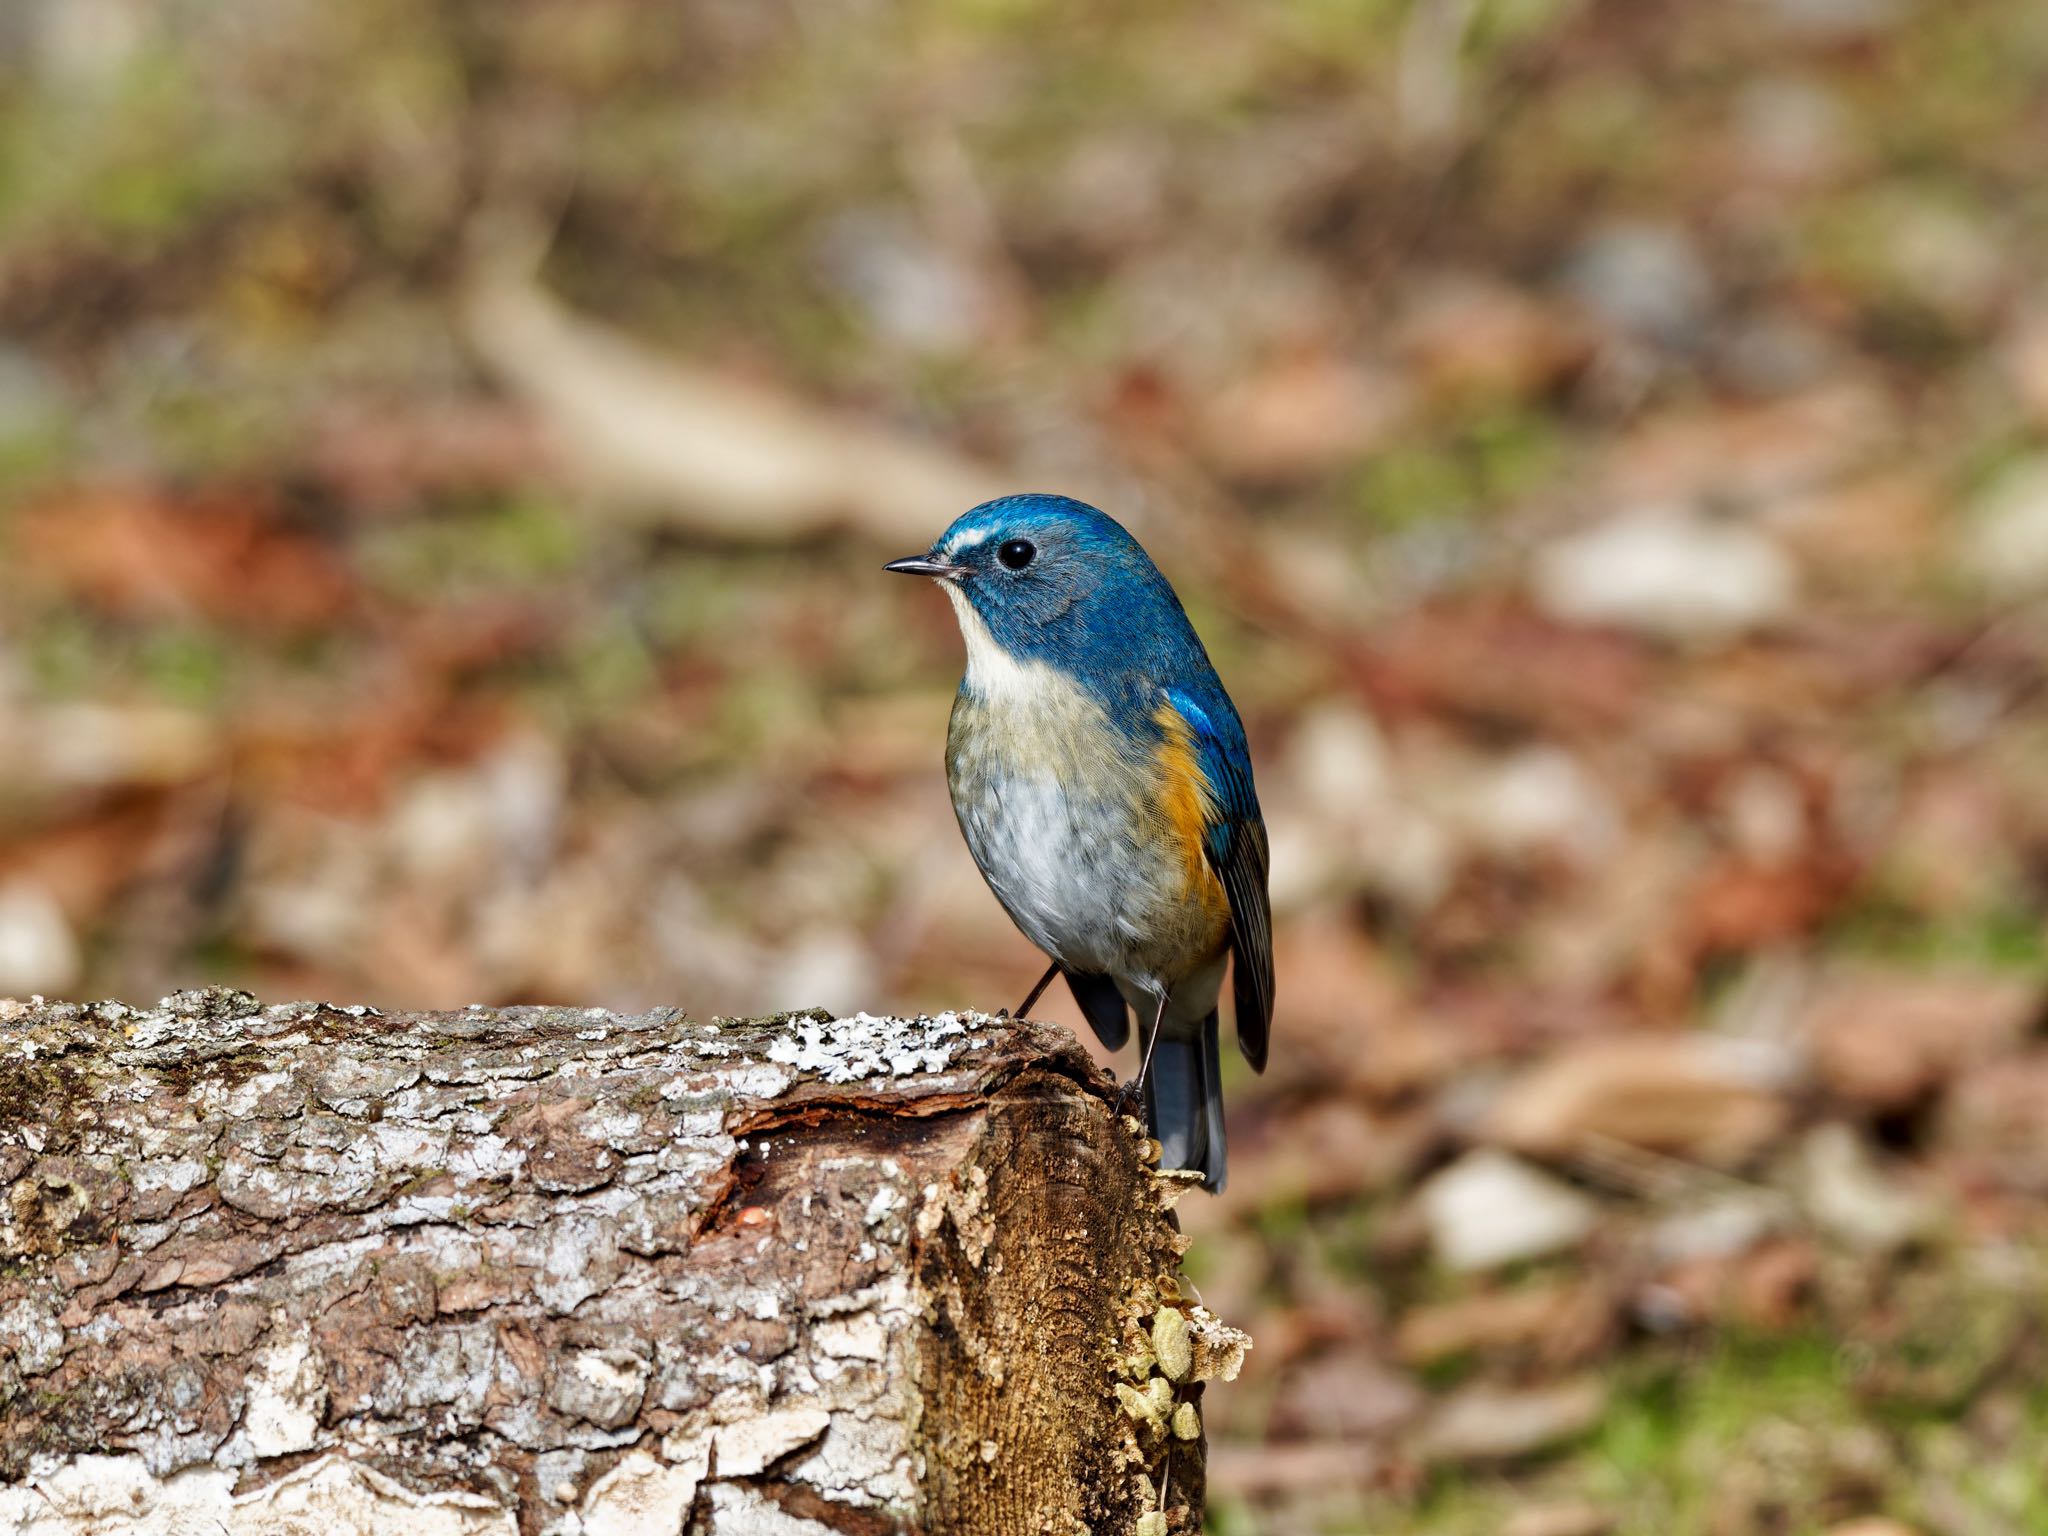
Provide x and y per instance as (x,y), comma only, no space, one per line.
(1236,848)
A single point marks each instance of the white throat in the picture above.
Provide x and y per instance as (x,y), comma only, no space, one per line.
(993,674)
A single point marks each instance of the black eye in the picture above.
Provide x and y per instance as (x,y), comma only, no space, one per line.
(1016,553)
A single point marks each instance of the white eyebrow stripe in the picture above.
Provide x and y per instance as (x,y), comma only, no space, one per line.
(966,539)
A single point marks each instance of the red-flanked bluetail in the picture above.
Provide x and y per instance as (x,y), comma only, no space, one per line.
(1101,777)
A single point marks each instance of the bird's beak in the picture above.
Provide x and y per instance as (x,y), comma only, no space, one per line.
(925,565)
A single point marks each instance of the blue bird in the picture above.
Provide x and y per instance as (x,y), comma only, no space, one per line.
(1101,778)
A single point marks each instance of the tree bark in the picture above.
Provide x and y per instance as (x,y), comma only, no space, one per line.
(318,1269)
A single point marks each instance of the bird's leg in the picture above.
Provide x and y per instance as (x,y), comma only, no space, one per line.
(1036,992)
(1135,1088)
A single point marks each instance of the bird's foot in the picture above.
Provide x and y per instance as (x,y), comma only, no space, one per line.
(1128,1096)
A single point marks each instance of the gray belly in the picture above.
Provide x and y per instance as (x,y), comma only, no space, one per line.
(1056,836)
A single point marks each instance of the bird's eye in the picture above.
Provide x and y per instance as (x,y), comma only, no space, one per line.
(1016,553)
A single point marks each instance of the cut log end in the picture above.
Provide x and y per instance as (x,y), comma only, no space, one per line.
(562,1270)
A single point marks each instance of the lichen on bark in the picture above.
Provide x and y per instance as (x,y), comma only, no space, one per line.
(562,1270)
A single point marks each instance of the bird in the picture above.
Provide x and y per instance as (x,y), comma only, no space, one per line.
(1102,780)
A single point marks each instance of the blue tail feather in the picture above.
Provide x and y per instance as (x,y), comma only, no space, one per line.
(1184,1103)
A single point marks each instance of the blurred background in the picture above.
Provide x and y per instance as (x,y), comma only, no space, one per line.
(446,454)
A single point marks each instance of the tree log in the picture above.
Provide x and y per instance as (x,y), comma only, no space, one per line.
(326,1270)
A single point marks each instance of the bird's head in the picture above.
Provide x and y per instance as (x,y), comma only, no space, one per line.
(1045,577)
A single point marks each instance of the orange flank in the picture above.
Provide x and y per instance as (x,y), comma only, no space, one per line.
(1187,808)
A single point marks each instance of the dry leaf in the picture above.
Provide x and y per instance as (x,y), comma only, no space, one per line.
(1689,1096)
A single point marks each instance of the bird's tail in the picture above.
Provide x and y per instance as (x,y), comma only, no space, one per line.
(1184,1103)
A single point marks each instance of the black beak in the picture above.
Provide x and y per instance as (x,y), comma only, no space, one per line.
(925,565)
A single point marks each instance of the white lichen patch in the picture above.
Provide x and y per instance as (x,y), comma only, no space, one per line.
(864,1046)
(758,1082)
(835,1422)
(118,1496)
(737,1510)
(750,1446)
(968,1208)
(852,1338)
(886,1200)
(287,1393)
(30,1332)
(601,1387)
(615,1127)
(642,1494)
(480,1157)
(861,1461)
(171,1175)
(449,1368)
(242,1101)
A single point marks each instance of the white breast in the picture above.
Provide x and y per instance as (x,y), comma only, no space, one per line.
(1051,812)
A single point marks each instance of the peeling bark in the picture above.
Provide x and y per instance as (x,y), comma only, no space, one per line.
(532,1270)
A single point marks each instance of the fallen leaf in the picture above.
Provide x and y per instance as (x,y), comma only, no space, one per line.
(1886,1038)
(84,861)
(1470,337)
(2025,357)
(59,750)
(1298,416)
(383,456)
(1560,1323)
(39,953)
(1348,1395)
(707,450)
(1561,1520)
(1245,1470)
(1489,1209)
(1996,1121)
(1443,660)
(1765,1287)
(1691,1096)
(2006,542)
(1751,454)
(1882,530)
(1331,1149)
(1667,574)
(1487,1423)
(1854,1200)
(227,558)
